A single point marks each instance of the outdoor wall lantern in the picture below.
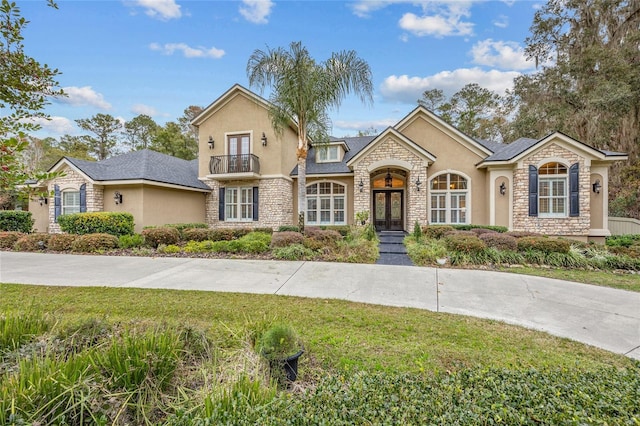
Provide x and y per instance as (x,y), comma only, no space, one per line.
(264,139)
(211,142)
(503,188)
(596,186)
(361,185)
(388,180)
(43,200)
(418,183)
(117,197)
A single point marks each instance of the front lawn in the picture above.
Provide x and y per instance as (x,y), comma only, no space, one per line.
(138,356)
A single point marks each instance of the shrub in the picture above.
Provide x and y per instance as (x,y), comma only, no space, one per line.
(343,230)
(464,243)
(8,238)
(520,234)
(196,234)
(499,241)
(293,252)
(631,251)
(286,238)
(162,235)
(61,242)
(278,342)
(355,251)
(94,242)
(544,244)
(436,231)
(114,223)
(32,242)
(622,240)
(222,234)
(317,239)
(482,231)
(181,227)
(472,227)
(289,228)
(130,241)
(169,249)
(254,242)
(196,246)
(417,231)
(264,230)
(425,253)
(16,220)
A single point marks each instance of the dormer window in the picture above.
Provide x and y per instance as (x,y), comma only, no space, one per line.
(328,154)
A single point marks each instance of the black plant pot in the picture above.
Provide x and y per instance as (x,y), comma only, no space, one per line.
(290,365)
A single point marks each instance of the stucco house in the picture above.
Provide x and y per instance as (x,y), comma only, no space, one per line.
(421,169)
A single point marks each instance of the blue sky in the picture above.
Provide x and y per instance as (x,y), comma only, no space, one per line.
(157,57)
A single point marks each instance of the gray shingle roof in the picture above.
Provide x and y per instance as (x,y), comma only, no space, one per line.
(355,144)
(143,165)
(508,151)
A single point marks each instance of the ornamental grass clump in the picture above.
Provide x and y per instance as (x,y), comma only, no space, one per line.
(19,328)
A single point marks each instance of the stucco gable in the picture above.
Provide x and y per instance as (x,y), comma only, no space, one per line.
(421,113)
(234,91)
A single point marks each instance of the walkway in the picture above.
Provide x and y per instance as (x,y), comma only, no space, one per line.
(392,249)
(599,316)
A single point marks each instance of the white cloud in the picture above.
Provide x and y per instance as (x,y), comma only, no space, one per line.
(56,125)
(256,11)
(187,51)
(160,9)
(439,19)
(80,96)
(409,89)
(379,125)
(500,54)
(144,109)
(363,8)
(501,21)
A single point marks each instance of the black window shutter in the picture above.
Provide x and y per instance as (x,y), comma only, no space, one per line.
(57,202)
(83,198)
(574,190)
(533,191)
(256,204)
(221,205)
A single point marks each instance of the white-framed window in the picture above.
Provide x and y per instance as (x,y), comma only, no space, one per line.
(326,203)
(70,202)
(328,154)
(238,204)
(449,199)
(552,190)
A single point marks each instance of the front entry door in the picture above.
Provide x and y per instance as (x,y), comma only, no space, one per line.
(388,210)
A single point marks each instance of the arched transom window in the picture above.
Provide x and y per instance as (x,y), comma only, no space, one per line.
(326,204)
(449,198)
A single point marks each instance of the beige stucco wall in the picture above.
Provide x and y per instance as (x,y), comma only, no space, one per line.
(502,202)
(566,226)
(597,204)
(40,214)
(452,156)
(166,205)
(241,114)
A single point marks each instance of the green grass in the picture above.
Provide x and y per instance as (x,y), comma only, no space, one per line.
(141,356)
(623,281)
(338,335)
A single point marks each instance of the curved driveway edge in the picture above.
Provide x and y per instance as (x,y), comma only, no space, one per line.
(600,316)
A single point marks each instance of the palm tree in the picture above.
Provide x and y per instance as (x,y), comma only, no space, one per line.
(304,91)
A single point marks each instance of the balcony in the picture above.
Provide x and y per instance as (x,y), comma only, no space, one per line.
(245,166)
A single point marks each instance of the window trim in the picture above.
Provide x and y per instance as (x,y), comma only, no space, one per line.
(448,192)
(332,196)
(557,177)
(239,190)
(228,135)
(326,148)
(63,205)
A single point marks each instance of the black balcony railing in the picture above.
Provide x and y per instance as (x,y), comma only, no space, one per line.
(224,164)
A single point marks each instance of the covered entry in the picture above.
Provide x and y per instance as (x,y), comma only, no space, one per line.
(388,200)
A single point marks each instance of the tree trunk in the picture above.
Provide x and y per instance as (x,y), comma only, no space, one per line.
(302,187)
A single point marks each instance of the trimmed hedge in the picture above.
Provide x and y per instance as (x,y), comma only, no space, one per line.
(490,227)
(544,244)
(286,238)
(32,242)
(464,243)
(114,223)
(8,238)
(61,242)
(499,241)
(94,242)
(164,235)
(196,234)
(16,220)
(436,231)
(181,227)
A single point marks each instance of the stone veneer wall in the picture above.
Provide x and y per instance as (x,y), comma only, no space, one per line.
(73,180)
(415,201)
(275,203)
(569,226)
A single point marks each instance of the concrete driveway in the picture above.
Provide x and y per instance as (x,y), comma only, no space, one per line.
(599,316)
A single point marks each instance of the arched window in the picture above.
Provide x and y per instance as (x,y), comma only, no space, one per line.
(449,198)
(552,189)
(326,204)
